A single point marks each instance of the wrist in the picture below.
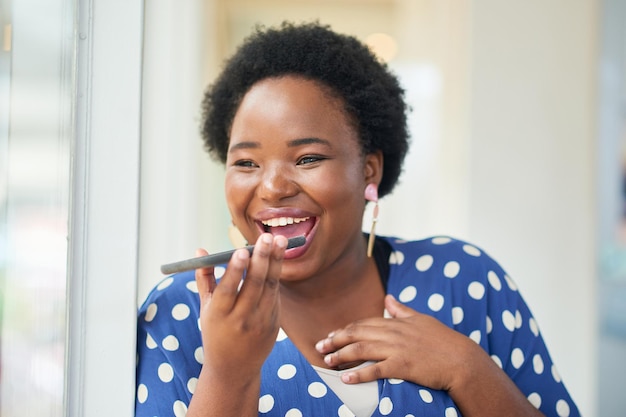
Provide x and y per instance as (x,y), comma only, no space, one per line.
(213,395)
(472,361)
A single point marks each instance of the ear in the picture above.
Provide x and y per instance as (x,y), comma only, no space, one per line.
(373,167)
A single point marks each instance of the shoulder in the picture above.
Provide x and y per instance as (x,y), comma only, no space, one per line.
(169,346)
(174,297)
(442,270)
(168,326)
(442,253)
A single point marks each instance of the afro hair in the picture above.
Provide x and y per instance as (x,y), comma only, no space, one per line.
(371,94)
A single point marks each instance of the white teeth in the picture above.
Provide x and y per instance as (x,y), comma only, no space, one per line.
(283,221)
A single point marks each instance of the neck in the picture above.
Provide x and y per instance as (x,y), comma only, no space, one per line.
(342,276)
(313,308)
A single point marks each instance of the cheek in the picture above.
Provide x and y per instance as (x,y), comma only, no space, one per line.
(236,193)
(340,190)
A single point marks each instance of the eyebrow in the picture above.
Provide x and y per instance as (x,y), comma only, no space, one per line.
(308,141)
(292,143)
(244,145)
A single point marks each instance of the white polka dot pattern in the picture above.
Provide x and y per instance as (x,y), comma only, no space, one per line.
(476,290)
(451,269)
(488,324)
(385,406)
(180,312)
(494,281)
(538,364)
(266,403)
(294,412)
(191,384)
(533,326)
(497,360)
(170,343)
(150,312)
(457,315)
(455,282)
(471,250)
(198,355)
(508,319)
(192,286)
(150,343)
(535,399)
(142,393)
(424,263)
(441,240)
(562,408)
(451,412)
(408,294)
(180,409)
(396,258)
(555,374)
(517,358)
(166,372)
(344,411)
(427,397)
(165,283)
(476,336)
(317,389)
(435,302)
(287,371)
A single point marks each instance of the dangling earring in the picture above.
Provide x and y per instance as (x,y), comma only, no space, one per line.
(371,194)
(235,236)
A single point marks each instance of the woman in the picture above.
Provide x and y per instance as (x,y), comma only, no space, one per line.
(310,126)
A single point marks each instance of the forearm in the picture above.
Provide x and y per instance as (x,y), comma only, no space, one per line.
(225,395)
(482,389)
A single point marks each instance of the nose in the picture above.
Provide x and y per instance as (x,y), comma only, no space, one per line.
(277,183)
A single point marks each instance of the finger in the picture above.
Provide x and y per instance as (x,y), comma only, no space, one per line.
(361,330)
(368,373)
(357,352)
(270,293)
(225,294)
(205,278)
(254,283)
(396,309)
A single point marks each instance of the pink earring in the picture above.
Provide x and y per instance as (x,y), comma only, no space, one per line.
(371,194)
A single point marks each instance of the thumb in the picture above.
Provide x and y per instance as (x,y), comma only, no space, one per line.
(396,309)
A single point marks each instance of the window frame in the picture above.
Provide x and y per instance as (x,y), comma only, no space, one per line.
(104,209)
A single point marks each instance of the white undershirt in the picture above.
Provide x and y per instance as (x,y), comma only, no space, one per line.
(361,399)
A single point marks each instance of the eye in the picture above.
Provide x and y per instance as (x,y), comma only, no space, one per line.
(245,163)
(310,159)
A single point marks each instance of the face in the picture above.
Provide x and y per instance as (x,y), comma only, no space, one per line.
(295,167)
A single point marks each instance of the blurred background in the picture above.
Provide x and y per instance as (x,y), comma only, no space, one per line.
(518,145)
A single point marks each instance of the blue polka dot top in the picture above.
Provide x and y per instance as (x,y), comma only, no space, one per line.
(451,280)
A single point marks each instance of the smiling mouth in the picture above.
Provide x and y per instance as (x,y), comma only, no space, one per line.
(289,226)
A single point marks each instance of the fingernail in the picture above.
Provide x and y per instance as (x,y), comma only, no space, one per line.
(347,377)
(328,359)
(267,239)
(319,346)
(281,243)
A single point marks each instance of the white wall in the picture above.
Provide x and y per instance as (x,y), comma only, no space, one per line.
(532,152)
(182,203)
